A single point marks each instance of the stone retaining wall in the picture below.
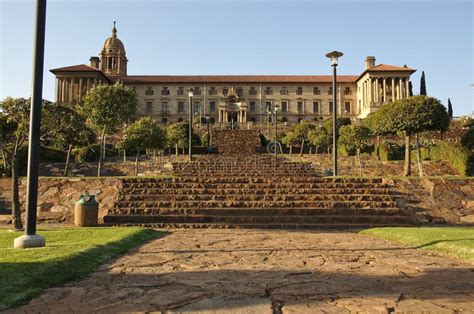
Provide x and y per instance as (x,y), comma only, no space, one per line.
(57,196)
(236,142)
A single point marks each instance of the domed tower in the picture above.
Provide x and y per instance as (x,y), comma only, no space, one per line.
(113,59)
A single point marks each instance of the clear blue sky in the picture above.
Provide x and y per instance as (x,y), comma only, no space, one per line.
(248,37)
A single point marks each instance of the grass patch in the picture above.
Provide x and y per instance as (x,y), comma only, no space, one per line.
(455,241)
(70,254)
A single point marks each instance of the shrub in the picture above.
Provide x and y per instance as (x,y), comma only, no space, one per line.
(391,151)
(283,119)
(467,122)
(89,153)
(459,157)
(467,139)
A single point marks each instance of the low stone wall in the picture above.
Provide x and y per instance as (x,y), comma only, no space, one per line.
(57,196)
(437,200)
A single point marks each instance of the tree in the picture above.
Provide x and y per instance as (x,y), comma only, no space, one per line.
(423,84)
(143,134)
(450,108)
(290,139)
(341,121)
(64,128)
(376,128)
(410,116)
(320,137)
(410,88)
(14,120)
(301,131)
(178,134)
(356,138)
(107,107)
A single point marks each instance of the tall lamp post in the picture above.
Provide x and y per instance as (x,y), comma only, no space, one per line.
(334,55)
(208,134)
(275,109)
(190,95)
(31,239)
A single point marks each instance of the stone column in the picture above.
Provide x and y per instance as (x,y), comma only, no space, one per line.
(384,89)
(376,89)
(407,87)
(63,90)
(393,89)
(369,85)
(399,88)
(80,89)
(88,82)
(71,90)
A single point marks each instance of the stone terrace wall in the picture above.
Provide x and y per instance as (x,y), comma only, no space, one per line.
(236,142)
(57,196)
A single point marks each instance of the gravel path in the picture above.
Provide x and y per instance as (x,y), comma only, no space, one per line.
(241,271)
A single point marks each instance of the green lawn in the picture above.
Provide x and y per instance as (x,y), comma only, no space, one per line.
(455,241)
(70,254)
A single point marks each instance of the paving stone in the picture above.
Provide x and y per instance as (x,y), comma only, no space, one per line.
(255,271)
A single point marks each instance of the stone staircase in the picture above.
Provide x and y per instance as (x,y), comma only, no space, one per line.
(243,190)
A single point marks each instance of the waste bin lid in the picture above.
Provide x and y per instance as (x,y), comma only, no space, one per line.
(87,199)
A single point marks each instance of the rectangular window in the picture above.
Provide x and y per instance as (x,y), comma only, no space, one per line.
(252,91)
(149,91)
(330,106)
(316,91)
(149,107)
(180,90)
(315,107)
(252,106)
(284,106)
(268,106)
(225,91)
(300,107)
(284,91)
(164,107)
(347,107)
(197,91)
(180,106)
(165,91)
(330,91)
(347,91)
(197,107)
(299,90)
(240,92)
(212,91)
(212,106)
(268,91)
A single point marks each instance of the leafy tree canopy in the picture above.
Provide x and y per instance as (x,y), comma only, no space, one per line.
(110,106)
(290,139)
(320,137)
(354,137)
(341,121)
(144,133)
(178,133)
(301,130)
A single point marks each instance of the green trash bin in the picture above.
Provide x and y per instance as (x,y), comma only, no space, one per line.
(86,213)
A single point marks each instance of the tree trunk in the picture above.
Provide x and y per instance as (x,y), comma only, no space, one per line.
(316,149)
(5,164)
(176,149)
(377,148)
(66,167)
(407,167)
(136,162)
(302,147)
(124,156)
(418,154)
(310,149)
(101,155)
(291,149)
(16,210)
(360,163)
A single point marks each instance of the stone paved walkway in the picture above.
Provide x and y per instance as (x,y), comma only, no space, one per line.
(240,271)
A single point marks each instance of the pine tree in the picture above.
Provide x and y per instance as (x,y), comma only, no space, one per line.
(410,88)
(423,84)
(450,108)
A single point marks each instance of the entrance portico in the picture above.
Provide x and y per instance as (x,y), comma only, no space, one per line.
(232,108)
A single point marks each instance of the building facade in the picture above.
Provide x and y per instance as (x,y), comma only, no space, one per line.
(237,98)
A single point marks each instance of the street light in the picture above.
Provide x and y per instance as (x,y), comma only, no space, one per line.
(334,55)
(275,109)
(208,134)
(190,95)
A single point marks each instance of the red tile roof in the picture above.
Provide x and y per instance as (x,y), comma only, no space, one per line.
(233,78)
(76,68)
(388,67)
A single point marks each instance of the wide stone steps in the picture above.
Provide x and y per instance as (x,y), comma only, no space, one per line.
(233,211)
(158,192)
(245,197)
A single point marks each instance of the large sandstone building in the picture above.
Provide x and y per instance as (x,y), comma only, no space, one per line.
(239,98)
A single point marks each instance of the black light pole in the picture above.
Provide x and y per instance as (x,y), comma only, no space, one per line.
(334,55)
(208,134)
(30,239)
(190,94)
(275,109)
